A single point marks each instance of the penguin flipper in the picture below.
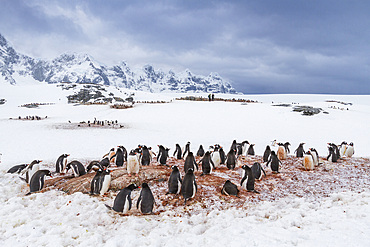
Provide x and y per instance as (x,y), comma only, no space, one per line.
(109,207)
(23,179)
(29,193)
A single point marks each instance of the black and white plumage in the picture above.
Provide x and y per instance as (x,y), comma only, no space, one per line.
(31,169)
(274,161)
(266,154)
(332,157)
(145,202)
(61,163)
(257,171)
(189,185)
(174,182)
(315,156)
(133,163)
(350,151)
(122,202)
(231,159)
(178,152)
(244,145)
(94,165)
(101,182)
(38,180)
(145,157)
(162,155)
(230,189)
(248,179)
(300,151)
(17,168)
(215,156)
(186,150)
(77,168)
(200,151)
(222,156)
(251,150)
(207,164)
(120,158)
(342,149)
(190,162)
(105,162)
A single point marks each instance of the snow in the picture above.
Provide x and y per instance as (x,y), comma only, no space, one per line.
(57,219)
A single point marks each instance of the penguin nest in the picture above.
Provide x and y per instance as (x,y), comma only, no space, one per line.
(350,174)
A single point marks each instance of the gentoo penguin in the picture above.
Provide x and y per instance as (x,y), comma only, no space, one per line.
(200,152)
(178,152)
(274,160)
(95,183)
(120,159)
(239,149)
(17,168)
(251,150)
(257,170)
(216,156)
(336,150)
(146,201)
(266,154)
(231,160)
(112,156)
(332,157)
(38,180)
(300,151)
(234,145)
(133,164)
(174,182)
(342,149)
(350,150)
(104,162)
(77,168)
(245,147)
(315,156)
(94,165)
(61,163)
(207,164)
(31,169)
(222,156)
(230,189)
(122,202)
(190,162)
(105,179)
(281,152)
(186,150)
(247,181)
(286,146)
(162,155)
(189,185)
(308,161)
(145,157)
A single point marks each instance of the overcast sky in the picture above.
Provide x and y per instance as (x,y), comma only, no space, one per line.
(261,46)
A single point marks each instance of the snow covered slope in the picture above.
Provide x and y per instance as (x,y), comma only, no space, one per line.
(55,218)
(16,68)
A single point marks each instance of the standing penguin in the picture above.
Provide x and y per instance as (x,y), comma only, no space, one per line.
(266,154)
(251,150)
(222,156)
(133,164)
(207,164)
(200,152)
(230,189)
(174,182)
(247,181)
(122,202)
(77,168)
(31,169)
(315,156)
(299,151)
(112,156)
(342,149)
(120,159)
(145,157)
(146,201)
(178,152)
(189,185)
(274,160)
(105,179)
(286,146)
(231,160)
(216,156)
(61,163)
(257,171)
(332,157)
(38,180)
(190,162)
(281,152)
(336,150)
(308,161)
(233,145)
(95,183)
(186,150)
(162,155)
(245,147)
(350,150)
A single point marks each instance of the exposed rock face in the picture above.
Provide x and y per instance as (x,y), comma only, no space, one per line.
(16,68)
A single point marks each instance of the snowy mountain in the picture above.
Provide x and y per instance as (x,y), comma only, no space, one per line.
(16,68)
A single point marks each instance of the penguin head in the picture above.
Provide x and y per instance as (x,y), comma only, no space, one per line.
(144,185)
(132,187)
(36,162)
(308,152)
(273,153)
(245,167)
(351,144)
(190,171)
(48,173)
(174,168)
(287,144)
(65,155)
(268,147)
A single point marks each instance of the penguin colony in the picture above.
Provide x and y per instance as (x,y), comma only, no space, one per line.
(185,186)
